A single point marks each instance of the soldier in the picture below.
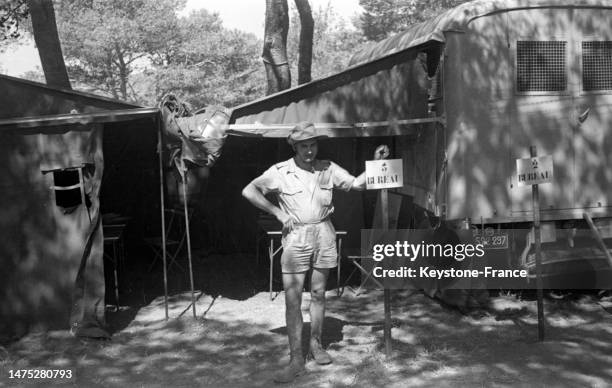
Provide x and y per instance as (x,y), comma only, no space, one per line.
(304,186)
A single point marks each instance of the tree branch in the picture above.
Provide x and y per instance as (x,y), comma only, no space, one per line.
(135,57)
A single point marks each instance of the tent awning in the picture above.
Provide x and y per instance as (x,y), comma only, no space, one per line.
(369,129)
(26,105)
(24,98)
(382,98)
(77,119)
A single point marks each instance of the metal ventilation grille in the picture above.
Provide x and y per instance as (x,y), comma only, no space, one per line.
(541,66)
(597,65)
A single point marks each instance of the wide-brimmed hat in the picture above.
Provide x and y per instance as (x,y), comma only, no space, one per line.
(303,131)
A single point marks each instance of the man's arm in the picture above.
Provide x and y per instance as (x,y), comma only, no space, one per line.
(381,152)
(359,184)
(253,192)
(255,195)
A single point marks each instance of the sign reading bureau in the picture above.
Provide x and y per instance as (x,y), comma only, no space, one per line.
(533,171)
(384,174)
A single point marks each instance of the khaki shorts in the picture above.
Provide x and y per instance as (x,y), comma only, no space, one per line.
(309,246)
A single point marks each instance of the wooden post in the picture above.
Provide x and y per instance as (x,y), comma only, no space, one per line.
(384,205)
(162,181)
(188,235)
(538,258)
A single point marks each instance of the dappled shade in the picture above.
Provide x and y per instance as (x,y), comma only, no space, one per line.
(243,343)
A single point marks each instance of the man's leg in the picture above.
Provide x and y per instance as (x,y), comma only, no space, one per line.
(293,284)
(317,314)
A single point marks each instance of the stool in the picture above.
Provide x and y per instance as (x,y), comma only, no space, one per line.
(272,252)
(175,238)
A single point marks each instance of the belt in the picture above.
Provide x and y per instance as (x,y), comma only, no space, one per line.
(312,222)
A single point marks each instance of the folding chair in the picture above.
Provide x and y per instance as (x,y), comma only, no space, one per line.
(114,226)
(358,267)
(113,236)
(175,238)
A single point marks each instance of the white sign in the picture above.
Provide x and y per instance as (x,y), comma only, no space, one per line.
(384,174)
(533,171)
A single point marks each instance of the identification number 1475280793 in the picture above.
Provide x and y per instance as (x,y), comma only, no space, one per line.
(40,374)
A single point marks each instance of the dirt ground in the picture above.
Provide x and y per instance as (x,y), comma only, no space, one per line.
(241,343)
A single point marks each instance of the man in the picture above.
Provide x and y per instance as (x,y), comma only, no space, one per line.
(304,186)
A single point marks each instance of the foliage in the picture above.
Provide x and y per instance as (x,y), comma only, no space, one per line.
(104,40)
(382,18)
(138,50)
(12,13)
(335,42)
(35,76)
(208,65)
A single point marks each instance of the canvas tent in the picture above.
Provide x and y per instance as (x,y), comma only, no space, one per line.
(52,244)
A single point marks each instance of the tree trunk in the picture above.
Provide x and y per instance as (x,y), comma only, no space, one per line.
(306,37)
(123,74)
(275,46)
(47,41)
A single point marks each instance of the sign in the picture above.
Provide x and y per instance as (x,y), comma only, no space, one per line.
(384,174)
(491,238)
(533,171)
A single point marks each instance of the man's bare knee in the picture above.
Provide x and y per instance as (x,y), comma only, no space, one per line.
(293,305)
(317,295)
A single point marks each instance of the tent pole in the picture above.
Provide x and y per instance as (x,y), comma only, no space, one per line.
(188,234)
(162,210)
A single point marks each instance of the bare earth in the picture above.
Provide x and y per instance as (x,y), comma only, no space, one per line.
(242,343)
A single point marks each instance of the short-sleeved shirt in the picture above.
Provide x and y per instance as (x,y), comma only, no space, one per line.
(305,196)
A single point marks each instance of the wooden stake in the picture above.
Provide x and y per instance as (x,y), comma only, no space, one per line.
(160,148)
(538,259)
(188,234)
(384,204)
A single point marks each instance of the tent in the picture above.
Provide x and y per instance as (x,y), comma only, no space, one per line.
(66,157)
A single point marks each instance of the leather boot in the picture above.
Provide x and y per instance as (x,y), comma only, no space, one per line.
(290,372)
(317,353)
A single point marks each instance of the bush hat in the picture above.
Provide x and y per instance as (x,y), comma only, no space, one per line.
(303,131)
